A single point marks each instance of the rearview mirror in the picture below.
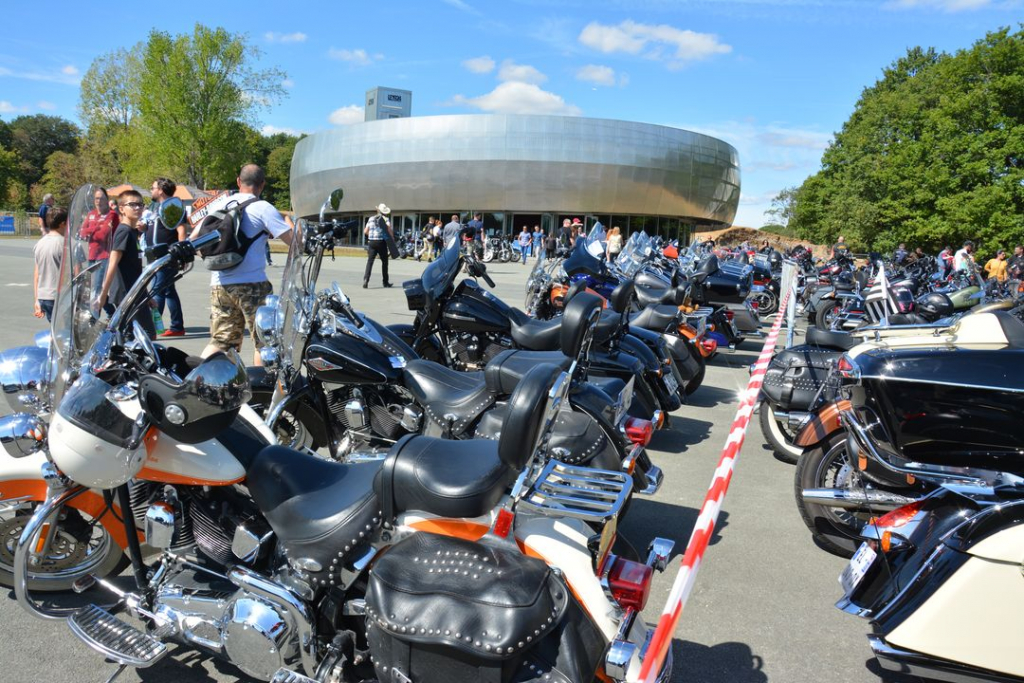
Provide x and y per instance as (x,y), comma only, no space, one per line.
(333,202)
(172,211)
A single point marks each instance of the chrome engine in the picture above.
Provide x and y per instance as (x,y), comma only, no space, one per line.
(256,632)
(471,352)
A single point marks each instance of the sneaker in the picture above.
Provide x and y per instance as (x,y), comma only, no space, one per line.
(388,284)
(365,284)
(172,333)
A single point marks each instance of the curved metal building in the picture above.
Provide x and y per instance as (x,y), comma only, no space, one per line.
(522,170)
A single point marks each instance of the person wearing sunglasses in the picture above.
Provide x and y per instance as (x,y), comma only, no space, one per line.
(125,264)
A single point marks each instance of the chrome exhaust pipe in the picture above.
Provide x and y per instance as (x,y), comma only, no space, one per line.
(855,500)
(795,419)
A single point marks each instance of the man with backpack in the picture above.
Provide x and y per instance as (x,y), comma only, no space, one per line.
(237,291)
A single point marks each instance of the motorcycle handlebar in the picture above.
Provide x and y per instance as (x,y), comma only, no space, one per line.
(488,280)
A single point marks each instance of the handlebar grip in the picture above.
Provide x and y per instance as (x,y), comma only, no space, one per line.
(488,280)
(208,238)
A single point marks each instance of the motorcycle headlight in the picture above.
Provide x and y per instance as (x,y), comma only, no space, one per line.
(266,325)
(22,373)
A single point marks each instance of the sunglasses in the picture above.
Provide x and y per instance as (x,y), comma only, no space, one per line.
(134,205)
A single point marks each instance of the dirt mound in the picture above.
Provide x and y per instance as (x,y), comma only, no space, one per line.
(732,237)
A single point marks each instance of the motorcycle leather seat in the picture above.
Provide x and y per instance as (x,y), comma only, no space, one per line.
(831,340)
(844,286)
(658,318)
(546,335)
(442,477)
(450,398)
(504,371)
(647,296)
(319,509)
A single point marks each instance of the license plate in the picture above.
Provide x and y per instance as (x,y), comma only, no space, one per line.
(858,567)
(625,398)
(670,383)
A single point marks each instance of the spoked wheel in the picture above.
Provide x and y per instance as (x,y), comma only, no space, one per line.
(515,256)
(778,435)
(289,430)
(79,546)
(504,257)
(829,466)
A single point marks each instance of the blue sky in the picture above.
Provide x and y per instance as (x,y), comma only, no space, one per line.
(775,78)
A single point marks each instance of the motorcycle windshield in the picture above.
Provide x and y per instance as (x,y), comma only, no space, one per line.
(437,276)
(86,248)
(295,302)
(634,254)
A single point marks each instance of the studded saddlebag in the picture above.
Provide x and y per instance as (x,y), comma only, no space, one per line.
(447,609)
(795,375)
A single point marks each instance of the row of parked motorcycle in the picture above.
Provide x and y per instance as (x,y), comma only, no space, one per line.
(437,501)
(902,413)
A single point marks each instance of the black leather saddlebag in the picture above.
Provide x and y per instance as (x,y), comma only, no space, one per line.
(795,376)
(447,609)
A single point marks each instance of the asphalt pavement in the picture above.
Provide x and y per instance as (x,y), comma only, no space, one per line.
(762,608)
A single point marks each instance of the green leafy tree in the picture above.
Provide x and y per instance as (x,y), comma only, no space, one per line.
(64,173)
(38,136)
(279,166)
(932,154)
(8,174)
(197,94)
(108,106)
(781,211)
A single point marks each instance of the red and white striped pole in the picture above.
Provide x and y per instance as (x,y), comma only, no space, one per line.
(705,525)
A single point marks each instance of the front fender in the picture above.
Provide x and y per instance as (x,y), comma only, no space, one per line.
(303,402)
(823,424)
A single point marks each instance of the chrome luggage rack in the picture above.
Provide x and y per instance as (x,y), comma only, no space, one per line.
(585,493)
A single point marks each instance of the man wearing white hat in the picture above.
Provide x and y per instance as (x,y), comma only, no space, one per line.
(377,232)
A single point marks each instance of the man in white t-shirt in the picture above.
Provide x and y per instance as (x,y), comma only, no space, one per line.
(964,257)
(236,293)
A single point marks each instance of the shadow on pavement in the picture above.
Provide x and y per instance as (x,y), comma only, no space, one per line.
(709,397)
(874,667)
(722,663)
(682,433)
(649,518)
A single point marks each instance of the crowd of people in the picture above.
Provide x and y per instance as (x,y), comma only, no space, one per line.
(116,235)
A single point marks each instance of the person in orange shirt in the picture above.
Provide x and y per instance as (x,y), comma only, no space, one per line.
(996,268)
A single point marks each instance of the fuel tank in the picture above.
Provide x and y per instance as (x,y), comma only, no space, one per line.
(471,309)
(343,359)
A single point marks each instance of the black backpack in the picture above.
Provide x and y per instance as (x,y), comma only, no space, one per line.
(233,244)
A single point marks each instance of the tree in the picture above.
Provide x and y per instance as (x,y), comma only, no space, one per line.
(108,105)
(932,154)
(197,93)
(8,174)
(38,136)
(64,173)
(279,166)
(781,212)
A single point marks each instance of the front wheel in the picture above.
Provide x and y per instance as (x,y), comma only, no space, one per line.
(289,430)
(826,314)
(515,256)
(777,434)
(79,547)
(829,466)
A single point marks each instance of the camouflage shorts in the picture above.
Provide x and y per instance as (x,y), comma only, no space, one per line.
(232,309)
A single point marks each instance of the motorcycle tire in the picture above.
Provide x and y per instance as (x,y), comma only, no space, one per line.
(777,435)
(824,315)
(694,382)
(72,557)
(515,257)
(504,257)
(487,257)
(829,466)
(767,302)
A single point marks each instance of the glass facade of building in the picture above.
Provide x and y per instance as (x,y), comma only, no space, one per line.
(522,170)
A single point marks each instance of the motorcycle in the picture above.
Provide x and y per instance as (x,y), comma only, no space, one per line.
(264,554)
(939,580)
(334,378)
(901,426)
(464,327)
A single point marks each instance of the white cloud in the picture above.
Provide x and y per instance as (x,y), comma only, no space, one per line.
(287,83)
(48,106)
(67,75)
(461,5)
(297,37)
(347,115)
(357,57)
(479,65)
(274,130)
(8,108)
(520,73)
(944,5)
(598,75)
(515,97)
(653,41)
(775,136)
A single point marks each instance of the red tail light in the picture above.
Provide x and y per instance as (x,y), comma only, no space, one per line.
(729,315)
(755,304)
(630,583)
(709,345)
(639,431)
(847,370)
(899,516)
